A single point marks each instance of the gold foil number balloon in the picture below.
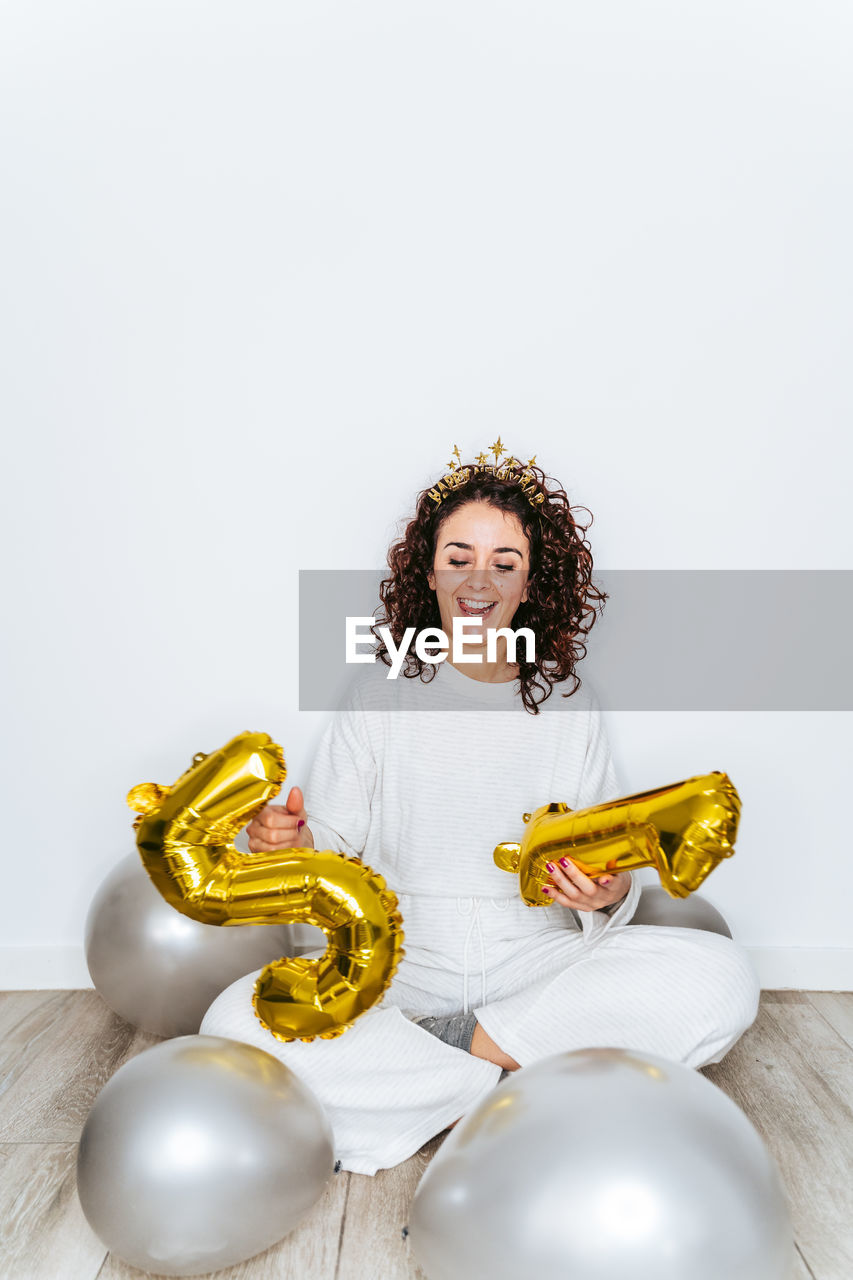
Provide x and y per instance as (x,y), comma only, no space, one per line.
(682,830)
(185,836)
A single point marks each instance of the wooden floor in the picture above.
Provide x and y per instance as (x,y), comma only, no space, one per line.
(792,1073)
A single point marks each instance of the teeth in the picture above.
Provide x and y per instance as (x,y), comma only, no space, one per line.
(480,605)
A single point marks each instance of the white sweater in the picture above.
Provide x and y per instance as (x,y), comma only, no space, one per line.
(423,780)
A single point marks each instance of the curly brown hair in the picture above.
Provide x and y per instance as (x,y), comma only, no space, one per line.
(562,603)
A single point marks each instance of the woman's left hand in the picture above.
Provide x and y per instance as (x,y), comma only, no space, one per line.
(576,890)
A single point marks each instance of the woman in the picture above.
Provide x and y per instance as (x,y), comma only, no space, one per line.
(487,984)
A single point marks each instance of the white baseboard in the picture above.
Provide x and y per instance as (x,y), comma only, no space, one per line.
(779,968)
(43,969)
(803,968)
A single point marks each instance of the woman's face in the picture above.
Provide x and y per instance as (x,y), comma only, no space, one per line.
(480,568)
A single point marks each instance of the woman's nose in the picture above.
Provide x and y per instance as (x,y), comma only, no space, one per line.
(478,578)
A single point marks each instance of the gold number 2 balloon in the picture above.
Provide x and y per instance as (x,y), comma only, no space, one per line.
(682,830)
(185,835)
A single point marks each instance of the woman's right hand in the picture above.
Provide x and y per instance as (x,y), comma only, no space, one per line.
(281,826)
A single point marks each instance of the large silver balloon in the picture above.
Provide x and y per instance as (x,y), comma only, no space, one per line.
(199,1153)
(159,969)
(655,906)
(602,1164)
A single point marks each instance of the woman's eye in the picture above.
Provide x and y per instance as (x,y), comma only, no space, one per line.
(464,564)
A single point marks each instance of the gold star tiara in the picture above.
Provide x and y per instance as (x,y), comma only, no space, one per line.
(504,467)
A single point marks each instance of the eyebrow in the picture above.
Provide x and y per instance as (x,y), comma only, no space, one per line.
(498,551)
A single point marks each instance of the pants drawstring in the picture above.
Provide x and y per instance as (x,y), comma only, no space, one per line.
(475,921)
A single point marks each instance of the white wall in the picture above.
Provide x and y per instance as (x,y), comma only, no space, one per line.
(266,263)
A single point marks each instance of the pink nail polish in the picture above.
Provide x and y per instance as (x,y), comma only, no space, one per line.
(550,866)
(564,862)
(545,889)
(300,824)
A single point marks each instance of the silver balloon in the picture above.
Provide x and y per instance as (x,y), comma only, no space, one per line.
(602,1165)
(655,906)
(159,969)
(200,1153)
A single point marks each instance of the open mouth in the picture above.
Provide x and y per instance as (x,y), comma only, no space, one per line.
(476,608)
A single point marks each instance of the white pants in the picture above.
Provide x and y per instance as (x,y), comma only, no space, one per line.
(543,987)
